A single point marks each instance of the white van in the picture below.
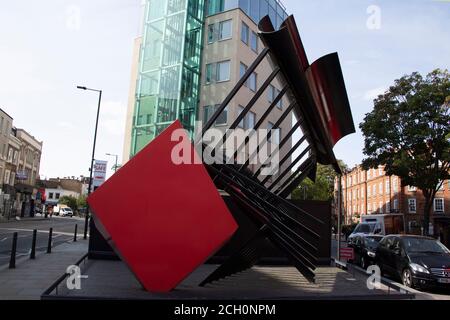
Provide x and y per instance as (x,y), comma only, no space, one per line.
(379,224)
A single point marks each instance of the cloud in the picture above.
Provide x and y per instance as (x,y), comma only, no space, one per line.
(372,94)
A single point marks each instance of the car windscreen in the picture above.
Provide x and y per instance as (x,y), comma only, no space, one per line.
(372,242)
(421,245)
(364,228)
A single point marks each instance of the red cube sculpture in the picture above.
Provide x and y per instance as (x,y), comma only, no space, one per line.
(162,218)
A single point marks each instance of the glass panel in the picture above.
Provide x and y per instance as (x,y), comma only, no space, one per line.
(273,15)
(242,69)
(168,84)
(211,33)
(244,33)
(210,74)
(254,10)
(263,8)
(222,119)
(270,93)
(225,30)
(230,4)
(223,71)
(245,6)
(252,81)
(251,120)
(157,9)
(240,109)
(254,41)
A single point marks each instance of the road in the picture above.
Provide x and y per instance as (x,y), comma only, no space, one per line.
(434,294)
(63,230)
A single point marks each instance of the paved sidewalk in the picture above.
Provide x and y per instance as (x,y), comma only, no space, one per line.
(32,277)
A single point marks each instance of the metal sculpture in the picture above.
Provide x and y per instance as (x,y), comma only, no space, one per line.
(318,100)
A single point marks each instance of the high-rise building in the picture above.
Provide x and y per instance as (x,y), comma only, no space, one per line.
(189,57)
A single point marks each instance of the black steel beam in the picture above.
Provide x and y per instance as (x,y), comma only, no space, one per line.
(288,169)
(235,90)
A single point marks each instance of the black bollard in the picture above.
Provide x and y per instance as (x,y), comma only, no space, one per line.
(75,233)
(33,245)
(86,223)
(12,261)
(49,245)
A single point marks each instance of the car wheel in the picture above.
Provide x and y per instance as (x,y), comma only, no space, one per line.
(407,278)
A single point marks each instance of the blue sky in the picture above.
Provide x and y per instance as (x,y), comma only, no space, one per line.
(48,47)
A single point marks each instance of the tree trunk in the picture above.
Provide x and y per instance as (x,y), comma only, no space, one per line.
(426,216)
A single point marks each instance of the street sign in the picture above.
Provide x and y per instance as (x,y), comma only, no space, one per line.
(99,172)
(346,253)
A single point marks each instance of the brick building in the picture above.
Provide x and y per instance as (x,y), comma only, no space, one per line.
(370,192)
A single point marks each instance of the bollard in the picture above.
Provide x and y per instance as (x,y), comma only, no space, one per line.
(86,223)
(49,245)
(12,261)
(33,245)
(75,233)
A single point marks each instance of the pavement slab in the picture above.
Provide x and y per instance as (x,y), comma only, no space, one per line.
(31,278)
(113,280)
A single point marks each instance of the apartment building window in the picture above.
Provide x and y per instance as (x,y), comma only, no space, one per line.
(10,155)
(57,195)
(208,111)
(6,178)
(395,204)
(439,205)
(380,188)
(388,207)
(12,178)
(50,195)
(272,93)
(412,205)
(220,31)
(218,72)
(254,41)
(412,188)
(374,190)
(369,191)
(362,192)
(380,207)
(388,187)
(245,33)
(395,184)
(251,83)
(249,120)
(276,133)
(369,208)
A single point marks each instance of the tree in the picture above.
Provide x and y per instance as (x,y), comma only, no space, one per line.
(322,189)
(69,201)
(81,201)
(408,133)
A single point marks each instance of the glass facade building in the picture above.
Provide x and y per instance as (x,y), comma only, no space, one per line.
(170,61)
(169,68)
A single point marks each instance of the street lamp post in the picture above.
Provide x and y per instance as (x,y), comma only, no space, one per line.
(86,222)
(114,155)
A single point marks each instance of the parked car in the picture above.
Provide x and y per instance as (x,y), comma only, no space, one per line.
(364,247)
(66,212)
(419,262)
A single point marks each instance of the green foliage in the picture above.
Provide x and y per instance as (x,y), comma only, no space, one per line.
(408,130)
(81,201)
(69,201)
(322,189)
